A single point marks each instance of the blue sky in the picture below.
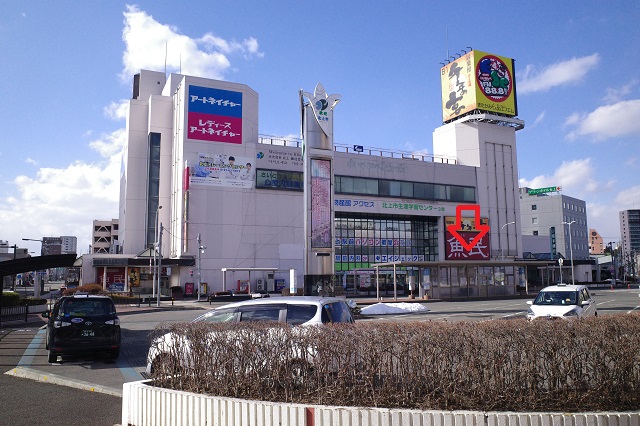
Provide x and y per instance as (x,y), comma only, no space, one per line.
(68,65)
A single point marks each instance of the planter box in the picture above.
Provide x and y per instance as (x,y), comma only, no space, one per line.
(144,404)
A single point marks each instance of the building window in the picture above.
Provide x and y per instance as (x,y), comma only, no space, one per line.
(534,207)
(153,191)
(362,239)
(535,232)
(534,220)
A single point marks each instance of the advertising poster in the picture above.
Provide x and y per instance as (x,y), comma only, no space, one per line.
(321,203)
(223,170)
(214,115)
(134,277)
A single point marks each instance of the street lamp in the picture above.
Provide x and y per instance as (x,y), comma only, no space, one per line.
(201,250)
(155,247)
(501,246)
(571,250)
(159,240)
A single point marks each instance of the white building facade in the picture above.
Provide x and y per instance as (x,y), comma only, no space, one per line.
(229,202)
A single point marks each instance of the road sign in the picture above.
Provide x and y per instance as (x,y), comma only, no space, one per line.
(358,148)
(537,191)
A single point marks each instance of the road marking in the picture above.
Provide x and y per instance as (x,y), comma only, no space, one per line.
(130,374)
(30,352)
(631,311)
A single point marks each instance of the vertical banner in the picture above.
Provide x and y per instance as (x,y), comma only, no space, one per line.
(321,203)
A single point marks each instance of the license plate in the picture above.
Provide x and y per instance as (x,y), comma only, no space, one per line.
(87,333)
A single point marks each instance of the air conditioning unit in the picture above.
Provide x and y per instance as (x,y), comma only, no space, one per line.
(259,285)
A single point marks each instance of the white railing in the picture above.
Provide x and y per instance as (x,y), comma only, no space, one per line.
(376,152)
(144,404)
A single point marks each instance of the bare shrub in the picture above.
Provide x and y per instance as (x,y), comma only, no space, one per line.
(514,365)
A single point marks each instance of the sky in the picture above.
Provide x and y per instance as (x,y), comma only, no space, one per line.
(68,68)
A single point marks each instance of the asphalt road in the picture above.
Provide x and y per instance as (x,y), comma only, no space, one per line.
(87,390)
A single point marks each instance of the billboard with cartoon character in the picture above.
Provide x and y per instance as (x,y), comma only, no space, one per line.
(478,81)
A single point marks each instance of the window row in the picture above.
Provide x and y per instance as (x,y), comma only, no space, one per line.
(294,181)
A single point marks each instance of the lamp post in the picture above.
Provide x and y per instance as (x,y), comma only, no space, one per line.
(155,247)
(501,246)
(571,250)
(159,266)
(201,250)
(37,288)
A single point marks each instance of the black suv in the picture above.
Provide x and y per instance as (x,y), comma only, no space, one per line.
(81,324)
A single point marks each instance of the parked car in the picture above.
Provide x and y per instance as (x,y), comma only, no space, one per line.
(82,324)
(564,301)
(294,310)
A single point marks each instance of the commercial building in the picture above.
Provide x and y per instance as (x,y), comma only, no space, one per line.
(216,200)
(559,222)
(630,240)
(596,243)
(104,236)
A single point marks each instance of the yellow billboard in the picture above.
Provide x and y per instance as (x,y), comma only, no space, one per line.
(478,81)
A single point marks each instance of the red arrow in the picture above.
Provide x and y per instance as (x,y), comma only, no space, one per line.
(482,229)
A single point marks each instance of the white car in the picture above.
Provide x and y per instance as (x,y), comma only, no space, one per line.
(564,301)
(294,310)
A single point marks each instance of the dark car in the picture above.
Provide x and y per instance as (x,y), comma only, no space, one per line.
(82,324)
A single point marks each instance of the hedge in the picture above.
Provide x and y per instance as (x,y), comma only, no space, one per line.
(508,365)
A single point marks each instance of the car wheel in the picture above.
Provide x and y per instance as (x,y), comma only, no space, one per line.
(52,357)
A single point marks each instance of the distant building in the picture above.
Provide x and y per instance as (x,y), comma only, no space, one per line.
(68,244)
(596,244)
(630,230)
(630,239)
(51,246)
(547,213)
(104,237)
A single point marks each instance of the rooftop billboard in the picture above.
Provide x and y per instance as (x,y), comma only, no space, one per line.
(478,81)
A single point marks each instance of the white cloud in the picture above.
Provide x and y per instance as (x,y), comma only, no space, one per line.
(606,122)
(571,71)
(31,161)
(117,110)
(64,201)
(629,198)
(616,94)
(575,177)
(580,179)
(155,46)
(538,120)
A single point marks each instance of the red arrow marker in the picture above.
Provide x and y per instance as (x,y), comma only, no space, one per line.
(453,229)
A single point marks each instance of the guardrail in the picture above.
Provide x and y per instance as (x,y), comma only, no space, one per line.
(18,313)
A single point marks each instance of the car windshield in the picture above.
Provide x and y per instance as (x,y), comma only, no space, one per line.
(557,298)
(218,316)
(86,307)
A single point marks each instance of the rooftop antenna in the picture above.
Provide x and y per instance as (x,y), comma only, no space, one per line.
(446,40)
